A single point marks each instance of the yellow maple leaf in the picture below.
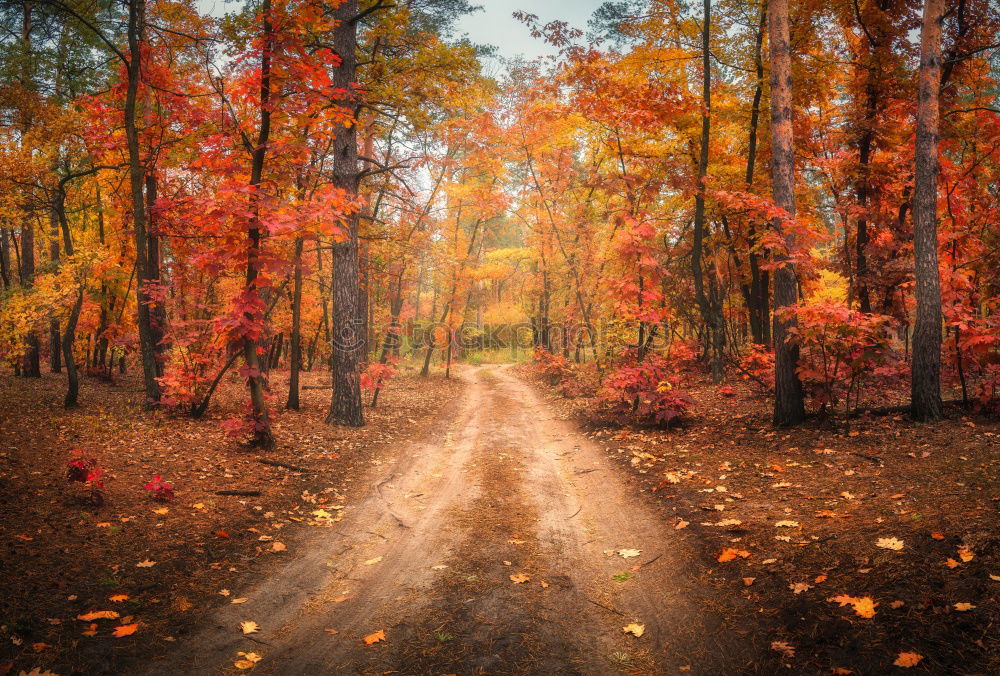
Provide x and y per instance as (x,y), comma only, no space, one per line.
(965,554)
(374,637)
(963,607)
(125,630)
(519,578)
(894,544)
(635,629)
(249,627)
(865,607)
(161,510)
(278,546)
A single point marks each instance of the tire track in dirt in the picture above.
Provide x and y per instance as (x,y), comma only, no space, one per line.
(504,483)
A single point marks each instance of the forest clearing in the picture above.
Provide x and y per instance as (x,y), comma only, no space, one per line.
(444,337)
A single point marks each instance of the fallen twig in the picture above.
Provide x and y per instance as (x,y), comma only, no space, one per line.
(244,494)
(608,608)
(574,513)
(278,463)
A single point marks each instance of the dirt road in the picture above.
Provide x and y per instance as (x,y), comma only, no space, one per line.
(502,489)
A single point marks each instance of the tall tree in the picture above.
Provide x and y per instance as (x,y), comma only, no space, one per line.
(137,178)
(789,405)
(925,383)
(347,336)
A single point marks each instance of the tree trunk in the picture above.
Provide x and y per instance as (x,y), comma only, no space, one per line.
(261,436)
(158,310)
(147,341)
(711,310)
(295,365)
(789,407)
(69,336)
(347,339)
(925,386)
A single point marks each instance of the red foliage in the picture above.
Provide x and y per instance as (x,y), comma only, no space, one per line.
(553,367)
(83,468)
(842,351)
(645,391)
(376,375)
(160,489)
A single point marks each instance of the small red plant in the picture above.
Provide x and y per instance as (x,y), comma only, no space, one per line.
(160,489)
(83,468)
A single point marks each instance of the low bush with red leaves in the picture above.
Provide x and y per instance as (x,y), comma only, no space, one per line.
(159,489)
(645,391)
(553,367)
(83,468)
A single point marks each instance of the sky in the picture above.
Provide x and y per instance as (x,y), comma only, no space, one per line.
(494,24)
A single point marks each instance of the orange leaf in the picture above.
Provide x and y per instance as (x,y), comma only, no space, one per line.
(118,598)
(99,615)
(730,554)
(125,630)
(374,637)
(907,660)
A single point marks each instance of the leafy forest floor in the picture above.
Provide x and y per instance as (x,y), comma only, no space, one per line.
(798,529)
(756,532)
(163,565)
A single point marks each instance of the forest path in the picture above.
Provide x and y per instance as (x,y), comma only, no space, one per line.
(504,488)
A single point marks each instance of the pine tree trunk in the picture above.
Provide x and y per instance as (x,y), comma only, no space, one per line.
(347,338)
(925,387)
(789,407)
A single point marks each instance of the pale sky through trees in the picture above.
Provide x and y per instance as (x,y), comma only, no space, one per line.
(494,24)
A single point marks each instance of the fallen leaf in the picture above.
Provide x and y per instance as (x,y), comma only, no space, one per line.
(145,564)
(894,544)
(907,660)
(681,524)
(247,660)
(747,581)
(937,536)
(518,578)
(786,649)
(544,584)
(249,627)
(182,604)
(841,671)
(865,607)
(635,629)
(819,579)
(240,600)
(995,578)
(786,524)
(799,587)
(963,607)
(277,546)
(629,553)
(92,631)
(331,631)
(161,510)
(118,598)
(965,554)
(125,630)
(39,647)
(897,604)
(99,615)
(730,554)
(374,637)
